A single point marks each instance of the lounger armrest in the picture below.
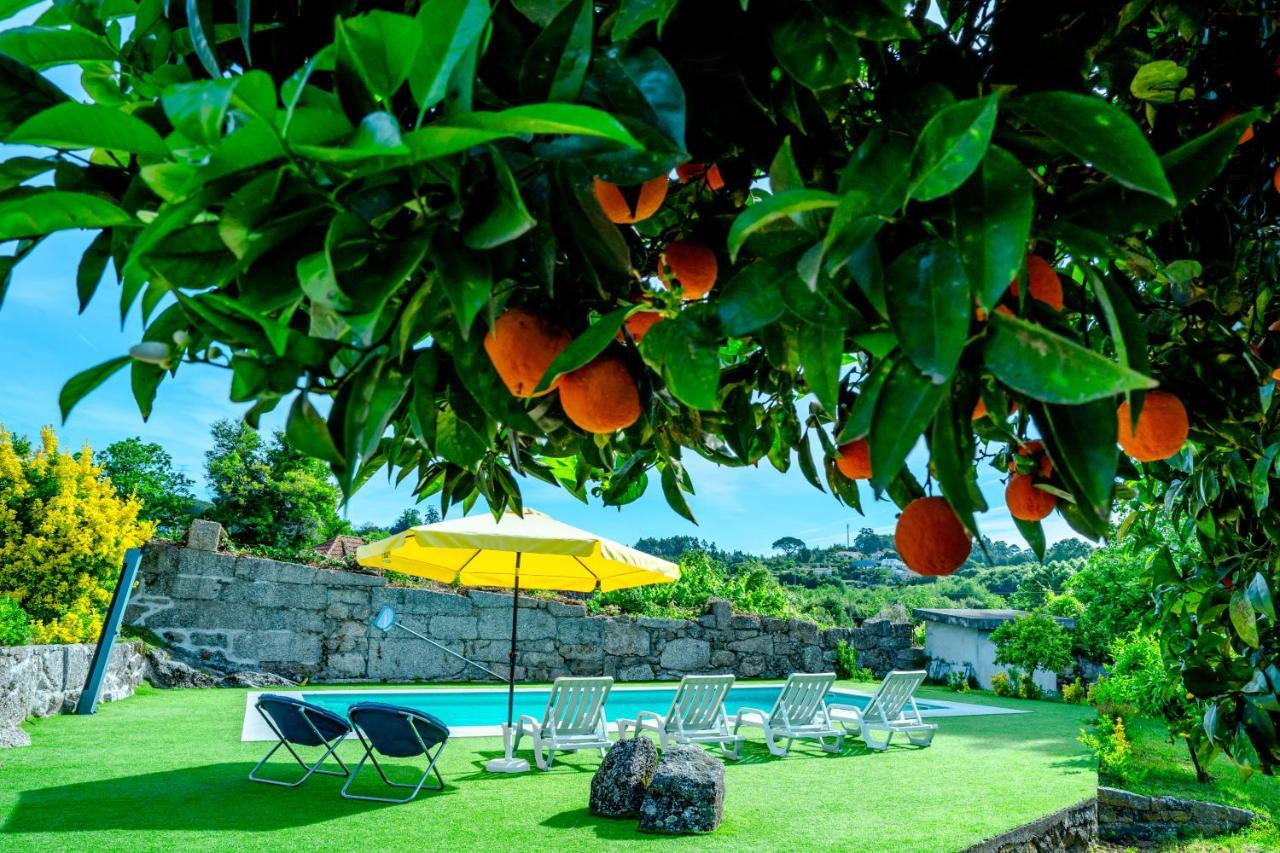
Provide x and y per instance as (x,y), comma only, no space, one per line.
(533,724)
(751,717)
(650,718)
(839,711)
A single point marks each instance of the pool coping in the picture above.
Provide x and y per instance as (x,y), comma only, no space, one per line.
(255,728)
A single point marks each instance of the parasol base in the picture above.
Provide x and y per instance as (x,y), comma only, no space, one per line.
(507,765)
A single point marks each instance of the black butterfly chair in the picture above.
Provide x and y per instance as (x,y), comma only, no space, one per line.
(399,733)
(300,723)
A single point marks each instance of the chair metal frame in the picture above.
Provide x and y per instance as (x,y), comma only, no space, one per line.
(310,769)
(421,784)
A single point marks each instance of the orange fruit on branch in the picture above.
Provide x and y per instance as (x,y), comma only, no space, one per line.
(521,346)
(691,264)
(625,205)
(708,174)
(1043,283)
(1025,501)
(854,460)
(639,324)
(601,396)
(930,538)
(1162,427)
(1035,450)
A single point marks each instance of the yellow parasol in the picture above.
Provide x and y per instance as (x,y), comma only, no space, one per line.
(529,551)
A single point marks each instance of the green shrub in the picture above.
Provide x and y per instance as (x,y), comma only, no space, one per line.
(1113,749)
(1027,687)
(753,589)
(847,664)
(1075,693)
(959,680)
(1139,682)
(1002,686)
(1032,642)
(15,624)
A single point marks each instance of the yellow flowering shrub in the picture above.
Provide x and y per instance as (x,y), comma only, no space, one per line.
(63,534)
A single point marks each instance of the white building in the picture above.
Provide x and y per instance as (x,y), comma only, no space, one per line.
(956,639)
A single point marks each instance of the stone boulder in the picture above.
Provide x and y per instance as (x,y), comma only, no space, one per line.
(255,680)
(618,787)
(686,794)
(164,670)
(12,737)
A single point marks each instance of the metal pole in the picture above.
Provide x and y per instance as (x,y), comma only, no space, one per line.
(511,675)
(88,701)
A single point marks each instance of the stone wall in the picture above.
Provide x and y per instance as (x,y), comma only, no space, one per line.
(39,681)
(252,613)
(1127,818)
(1073,828)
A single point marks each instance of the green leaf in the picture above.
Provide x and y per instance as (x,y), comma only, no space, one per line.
(1259,593)
(773,208)
(78,126)
(818,54)
(685,355)
(1243,619)
(821,354)
(308,432)
(672,492)
(9,8)
(951,448)
(93,263)
(549,118)
(38,213)
(1158,81)
(244,22)
(507,219)
(749,301)
(23,93)
(46,47)
(1082,440)
(951,146)
(16,170)
(585,347)
(82,383)
(197,110)
(929,306)
(200,26)
(1033,533)
(449,29)
(1046,366)
(555,66)
(1101,135)
(467,280)
(993,212)
(381,48)
(857,421)
(634,14)
(903,408)
(872,186)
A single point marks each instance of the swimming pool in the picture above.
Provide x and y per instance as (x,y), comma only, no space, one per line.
(479,711)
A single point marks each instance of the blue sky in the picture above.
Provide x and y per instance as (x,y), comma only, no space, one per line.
(43,342)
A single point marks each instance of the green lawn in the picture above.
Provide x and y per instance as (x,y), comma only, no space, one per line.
(166,770)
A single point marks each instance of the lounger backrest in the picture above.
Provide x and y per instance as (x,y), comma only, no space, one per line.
(802,697)
(893,695)
(290,716)
(391,728)
(576,705)
(699,701)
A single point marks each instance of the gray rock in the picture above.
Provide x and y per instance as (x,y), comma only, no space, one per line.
(624,638)
(163,670)
(617,789)
(686,794)
(12,737)
(636,672)
(249,678)
(204,535)
(686,655)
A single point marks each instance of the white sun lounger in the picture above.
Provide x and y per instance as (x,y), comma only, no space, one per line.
(891,710)
(800,712)
(696,715)
(574,720)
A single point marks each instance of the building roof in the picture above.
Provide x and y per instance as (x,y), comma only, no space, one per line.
(982,620)
(339,547)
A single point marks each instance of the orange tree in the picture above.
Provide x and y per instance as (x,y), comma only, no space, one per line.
(740,229)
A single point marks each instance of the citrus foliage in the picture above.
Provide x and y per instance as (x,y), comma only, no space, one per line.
(336,210)
(63,534)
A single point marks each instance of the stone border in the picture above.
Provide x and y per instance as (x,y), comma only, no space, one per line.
(1130,818)
(1072,828)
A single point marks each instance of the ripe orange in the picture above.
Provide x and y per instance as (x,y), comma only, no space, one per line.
(601,396)
(930,539)
(1248,131)
(1045,285)
(1275,374)
(625,205)
(521,346)
(980,410)
(640,323)
(691,264)
(1162,427)
(710,175)
(855,460)
(1025,501)
(1034,449)
(1275,179)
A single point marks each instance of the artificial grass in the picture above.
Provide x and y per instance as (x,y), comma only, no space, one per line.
(166,770)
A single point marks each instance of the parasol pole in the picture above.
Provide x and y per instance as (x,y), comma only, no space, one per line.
(511,658)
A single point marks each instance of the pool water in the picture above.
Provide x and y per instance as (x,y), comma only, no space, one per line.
(489,707)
